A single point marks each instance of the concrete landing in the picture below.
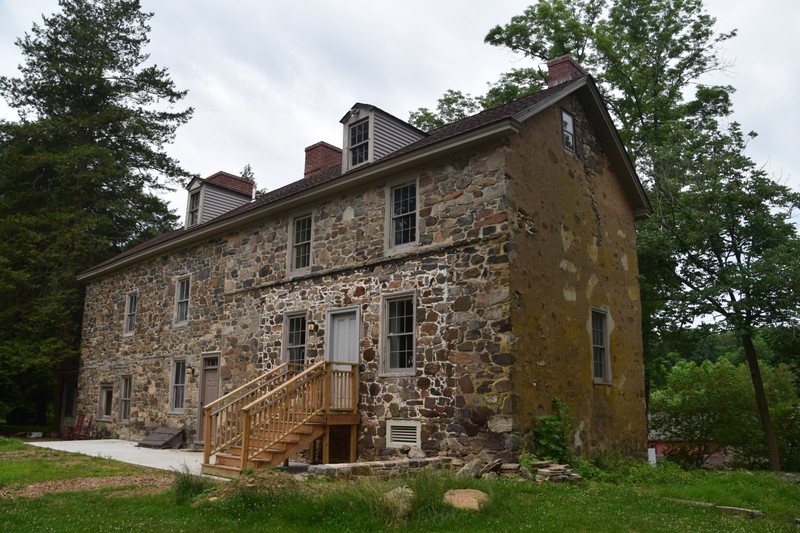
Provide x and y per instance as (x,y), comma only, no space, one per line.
(127,452)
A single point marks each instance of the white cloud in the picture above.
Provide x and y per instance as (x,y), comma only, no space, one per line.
(267,79)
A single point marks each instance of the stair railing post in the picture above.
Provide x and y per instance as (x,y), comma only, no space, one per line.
(354,388)
(326,388)
(245,439)
(206,435)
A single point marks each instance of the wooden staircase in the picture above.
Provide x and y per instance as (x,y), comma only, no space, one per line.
(275,416)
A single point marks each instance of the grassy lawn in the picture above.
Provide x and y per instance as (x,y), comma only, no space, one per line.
(631,497)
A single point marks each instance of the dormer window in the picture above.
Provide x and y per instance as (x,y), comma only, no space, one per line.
(215,196)
(359,142)
(369,134)
(194,208)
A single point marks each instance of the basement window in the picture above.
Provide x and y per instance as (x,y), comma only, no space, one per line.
(401,433)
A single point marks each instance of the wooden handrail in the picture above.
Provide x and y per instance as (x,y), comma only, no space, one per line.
(222,423)
(319,389)
(267,409)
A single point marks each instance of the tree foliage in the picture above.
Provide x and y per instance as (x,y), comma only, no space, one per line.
(720,243)
(710,407)
(78,173)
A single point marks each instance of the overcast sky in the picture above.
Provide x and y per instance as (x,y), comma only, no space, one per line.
(268,78)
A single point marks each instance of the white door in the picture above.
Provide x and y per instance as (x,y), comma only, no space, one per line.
(342,347)
(343,341)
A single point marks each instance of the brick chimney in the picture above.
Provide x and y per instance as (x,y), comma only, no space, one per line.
(321,156)
(562,69)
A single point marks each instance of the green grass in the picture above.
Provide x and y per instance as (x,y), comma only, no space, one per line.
(630,497)
(21,463)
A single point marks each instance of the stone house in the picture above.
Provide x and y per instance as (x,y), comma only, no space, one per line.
(468,275)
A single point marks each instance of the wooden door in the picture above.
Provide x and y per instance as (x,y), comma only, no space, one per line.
(209,389)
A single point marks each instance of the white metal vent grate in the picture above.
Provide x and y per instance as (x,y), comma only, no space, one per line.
(402,433)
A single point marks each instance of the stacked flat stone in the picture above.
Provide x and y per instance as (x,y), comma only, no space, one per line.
(548,471)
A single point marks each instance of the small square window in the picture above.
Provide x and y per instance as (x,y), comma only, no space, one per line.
(601,365)
(301,243)
(130,314)
(403,224)
(568,131)
(178,385)
(182,300)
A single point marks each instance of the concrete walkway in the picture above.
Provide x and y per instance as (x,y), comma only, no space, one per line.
(127,452)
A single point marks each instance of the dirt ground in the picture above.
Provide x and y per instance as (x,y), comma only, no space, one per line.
(34,490)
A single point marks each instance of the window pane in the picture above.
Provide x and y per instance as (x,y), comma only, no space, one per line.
(302,243)
(178,384)
(404,214)
(183,301)
(400,334)
(130,317)
(296,339)
(359,142)
(599,346)
(568,131)
(108,397)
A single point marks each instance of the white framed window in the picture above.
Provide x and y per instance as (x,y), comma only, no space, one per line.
(402,215)
(359,142)
(568,131)
(193,215)
(399,337)
(601,363)
(300,243)
(182,288)
(105,403)
(125,388)
(177,391)
(295,338)
(401,433)
(131,303)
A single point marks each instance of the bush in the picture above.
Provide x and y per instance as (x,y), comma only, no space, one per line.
(711,407)
(187,486)
(548,439)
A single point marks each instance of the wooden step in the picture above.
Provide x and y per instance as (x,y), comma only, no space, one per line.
(231,460)
(220,470)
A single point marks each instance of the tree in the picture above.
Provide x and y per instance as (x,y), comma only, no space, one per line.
(78,173)
(707,407)
(728,227)
(649,57)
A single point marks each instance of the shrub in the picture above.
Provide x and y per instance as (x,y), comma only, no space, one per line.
(187,486)
(548,438)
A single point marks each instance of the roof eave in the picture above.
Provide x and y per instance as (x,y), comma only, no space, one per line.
(362,174)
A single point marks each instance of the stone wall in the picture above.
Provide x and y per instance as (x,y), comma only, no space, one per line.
(241,292)
(518,240)
(574,250)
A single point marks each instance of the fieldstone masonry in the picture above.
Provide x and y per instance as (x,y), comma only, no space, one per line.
(475,211)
